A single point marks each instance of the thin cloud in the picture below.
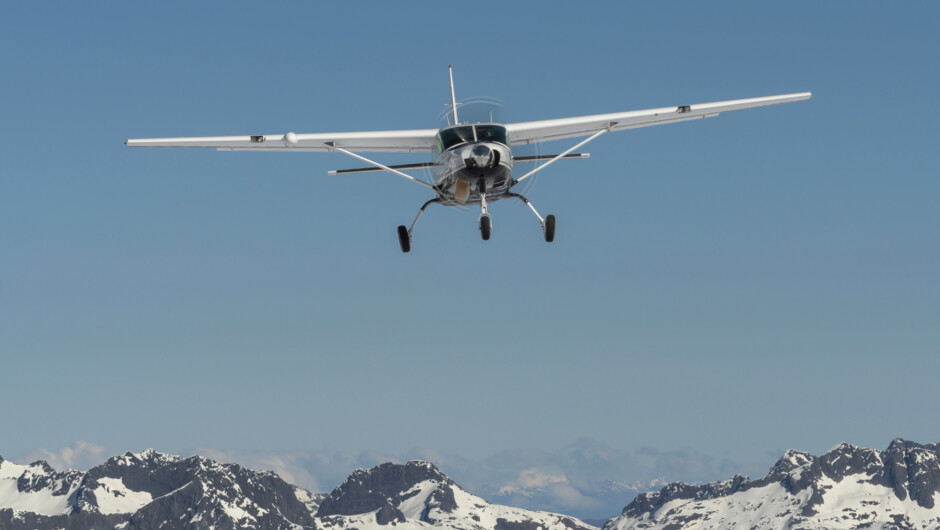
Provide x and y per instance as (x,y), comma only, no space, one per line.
(531,480)
(80,456)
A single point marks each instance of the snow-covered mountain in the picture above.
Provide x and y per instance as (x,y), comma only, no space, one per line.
(150,490)
(153,490)
(848,487)
(418,496)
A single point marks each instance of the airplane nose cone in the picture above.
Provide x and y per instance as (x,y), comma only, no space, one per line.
(481,150)
(481,155)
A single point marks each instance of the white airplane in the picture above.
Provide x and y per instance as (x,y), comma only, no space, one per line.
(471,163)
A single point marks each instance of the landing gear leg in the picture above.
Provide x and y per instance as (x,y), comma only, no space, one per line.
(548,223)
(485,223)
(404,234)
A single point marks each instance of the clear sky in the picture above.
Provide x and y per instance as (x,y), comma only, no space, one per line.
(732,287)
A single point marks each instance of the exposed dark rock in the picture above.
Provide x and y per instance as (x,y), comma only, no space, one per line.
(389,513)
(444,497)
(75,521)
(503,524)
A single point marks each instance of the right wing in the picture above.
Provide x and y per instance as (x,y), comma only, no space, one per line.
(546,130)
(408,141)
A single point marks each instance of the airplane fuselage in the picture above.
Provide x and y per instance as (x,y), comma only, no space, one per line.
(472,159)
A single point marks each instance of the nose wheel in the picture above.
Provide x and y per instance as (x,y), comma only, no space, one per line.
(485,227)
(485,223)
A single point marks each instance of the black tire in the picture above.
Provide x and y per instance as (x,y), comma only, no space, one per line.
(550,228)
(403,239)
(485,227)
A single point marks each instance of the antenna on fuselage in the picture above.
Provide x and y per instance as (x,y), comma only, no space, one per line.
(453,98)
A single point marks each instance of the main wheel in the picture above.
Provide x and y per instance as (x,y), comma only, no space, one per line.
(403,239)
(550,228)
(485,227)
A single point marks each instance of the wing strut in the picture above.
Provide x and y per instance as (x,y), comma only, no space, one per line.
(563,154)
(380,166)
(418,165)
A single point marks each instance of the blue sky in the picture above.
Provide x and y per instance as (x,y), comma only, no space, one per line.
(731,287)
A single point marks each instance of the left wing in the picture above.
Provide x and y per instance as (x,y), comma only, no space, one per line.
(532,132)
(407,141)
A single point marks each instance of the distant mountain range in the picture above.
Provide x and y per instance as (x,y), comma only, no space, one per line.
(153,490)
(848,487)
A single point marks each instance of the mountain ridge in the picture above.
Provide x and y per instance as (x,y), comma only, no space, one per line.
(155,490)
(846,487)
(141,490)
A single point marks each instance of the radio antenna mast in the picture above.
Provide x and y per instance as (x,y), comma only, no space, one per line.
(453,98)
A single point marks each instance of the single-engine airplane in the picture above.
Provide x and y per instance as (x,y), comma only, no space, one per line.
(471,163)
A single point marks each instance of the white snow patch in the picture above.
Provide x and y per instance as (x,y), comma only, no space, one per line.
(413,506)
(311,501)
(112,496)
(233,511)
(237,510)
(798,472)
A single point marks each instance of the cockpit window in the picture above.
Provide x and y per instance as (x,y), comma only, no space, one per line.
(484,133)
(492,133)
(455,136)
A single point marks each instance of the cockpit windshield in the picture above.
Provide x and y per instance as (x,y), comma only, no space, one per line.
(455,136)
(465,133)
(492,133)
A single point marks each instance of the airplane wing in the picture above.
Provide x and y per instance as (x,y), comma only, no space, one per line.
(421,140)
(532,132)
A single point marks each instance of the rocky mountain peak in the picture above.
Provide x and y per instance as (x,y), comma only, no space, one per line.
(41,466)
(419,495)
(791,461)
(846,487)
(652,501)
(405,475)
(147,457)
(367,490)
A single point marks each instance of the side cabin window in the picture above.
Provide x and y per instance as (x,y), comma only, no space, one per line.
(465,133)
